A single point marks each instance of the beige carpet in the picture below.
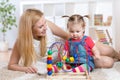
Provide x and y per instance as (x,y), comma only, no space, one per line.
(97,74)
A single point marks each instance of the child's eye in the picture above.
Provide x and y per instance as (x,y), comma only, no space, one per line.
(77,31)
(72,31)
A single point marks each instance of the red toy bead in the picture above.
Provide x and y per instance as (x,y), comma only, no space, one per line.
(68,66)
(49,69)
(49,58)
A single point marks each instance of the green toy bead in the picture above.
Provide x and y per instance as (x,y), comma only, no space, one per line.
(50,52)
(67,60)
(59,64)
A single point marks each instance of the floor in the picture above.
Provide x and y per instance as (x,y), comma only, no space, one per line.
(97,74)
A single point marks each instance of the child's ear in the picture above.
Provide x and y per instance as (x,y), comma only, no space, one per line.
(83,32)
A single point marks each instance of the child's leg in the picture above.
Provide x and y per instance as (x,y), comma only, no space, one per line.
(55,69)
(82,68)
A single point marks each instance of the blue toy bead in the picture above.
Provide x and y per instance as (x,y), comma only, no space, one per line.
(49,72)
(49,61)
(75,55)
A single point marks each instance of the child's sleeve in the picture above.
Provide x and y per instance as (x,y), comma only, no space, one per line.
(94,49)
(66,46)
(90,42)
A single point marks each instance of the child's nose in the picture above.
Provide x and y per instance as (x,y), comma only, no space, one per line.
(74,34)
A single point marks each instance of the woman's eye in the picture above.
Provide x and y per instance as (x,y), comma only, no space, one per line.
(78,31)
(41,26)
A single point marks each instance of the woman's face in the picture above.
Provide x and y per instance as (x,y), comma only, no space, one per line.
(40,28)
(75,31)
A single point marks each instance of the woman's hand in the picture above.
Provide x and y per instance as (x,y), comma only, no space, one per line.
(30,69)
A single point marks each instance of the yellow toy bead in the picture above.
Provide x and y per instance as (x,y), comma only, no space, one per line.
(71,59)
(49,65)
(49,56)
(64,58)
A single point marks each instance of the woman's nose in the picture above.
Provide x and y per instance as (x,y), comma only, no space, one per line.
(45,27)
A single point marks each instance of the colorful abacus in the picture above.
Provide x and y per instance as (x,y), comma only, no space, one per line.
(61,64)
(49,62)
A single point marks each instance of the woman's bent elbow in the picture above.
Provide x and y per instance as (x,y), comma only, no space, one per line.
(9,67)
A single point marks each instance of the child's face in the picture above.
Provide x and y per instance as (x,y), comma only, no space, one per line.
(75,31)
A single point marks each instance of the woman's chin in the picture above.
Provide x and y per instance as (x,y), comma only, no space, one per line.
(43,35)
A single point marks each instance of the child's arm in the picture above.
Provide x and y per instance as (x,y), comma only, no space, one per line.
(96,53)
(92,46)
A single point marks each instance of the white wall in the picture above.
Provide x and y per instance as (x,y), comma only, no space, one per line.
(12,34)
(116,17)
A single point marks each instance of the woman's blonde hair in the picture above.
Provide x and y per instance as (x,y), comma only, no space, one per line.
(25,36)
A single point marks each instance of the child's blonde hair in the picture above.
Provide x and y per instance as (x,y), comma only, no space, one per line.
(25,36)
(76,19)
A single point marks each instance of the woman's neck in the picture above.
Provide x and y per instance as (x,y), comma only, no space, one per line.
(37,37)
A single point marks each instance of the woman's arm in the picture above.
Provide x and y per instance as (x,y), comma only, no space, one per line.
(14,59)
(14,62)
(57,30)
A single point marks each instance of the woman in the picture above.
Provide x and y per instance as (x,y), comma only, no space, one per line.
(33,26)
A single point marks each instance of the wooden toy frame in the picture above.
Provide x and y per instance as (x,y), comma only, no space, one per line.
(69,76)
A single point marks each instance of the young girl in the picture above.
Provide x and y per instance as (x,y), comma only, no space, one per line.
(104,55)
(76,29)
(79,47)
